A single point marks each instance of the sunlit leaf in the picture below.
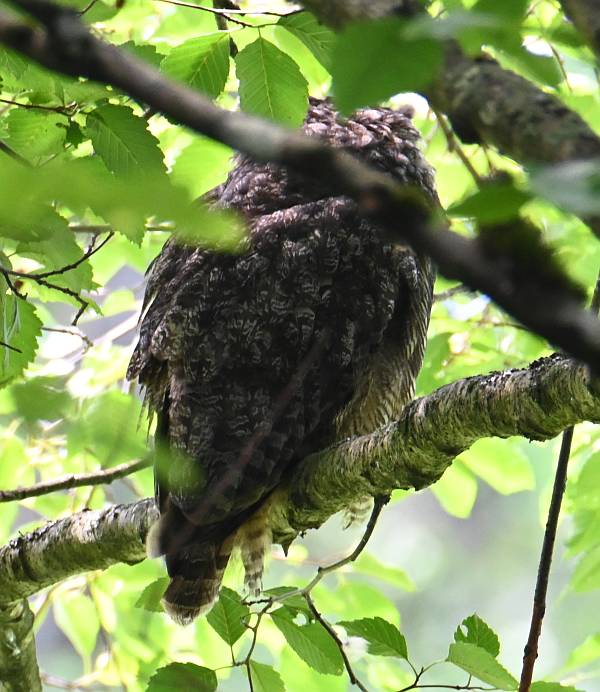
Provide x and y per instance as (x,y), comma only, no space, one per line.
(375,60)
(265,678)
(500,463)
(271,83)
(229,616)
(123,141)
(183,676)
(473,630)
(77,617)
(20,328)
(369,565)
(312,643)
(150,598)
(384,639)
(202,63)
(315,36)
(456,490)
(481,664)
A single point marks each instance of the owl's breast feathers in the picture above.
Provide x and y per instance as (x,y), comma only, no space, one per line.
(252,361)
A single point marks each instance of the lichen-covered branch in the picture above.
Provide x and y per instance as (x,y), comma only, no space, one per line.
(413,452)
(536,402)
(19,671)
(84,541)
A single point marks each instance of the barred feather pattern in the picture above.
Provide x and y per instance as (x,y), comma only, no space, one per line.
(253,360)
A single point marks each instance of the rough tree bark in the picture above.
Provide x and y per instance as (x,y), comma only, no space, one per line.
(413,452)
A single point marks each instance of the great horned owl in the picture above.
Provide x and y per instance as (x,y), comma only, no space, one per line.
(254,360)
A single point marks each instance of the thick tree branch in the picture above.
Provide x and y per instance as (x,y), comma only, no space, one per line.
(67,46)
(18,662)
(488,104)
(537,403)
(84,541)
(413,452)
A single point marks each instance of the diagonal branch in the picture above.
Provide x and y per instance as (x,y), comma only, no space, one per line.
(413,452)
(545,307)
(536,402)
(489,104)
(75,480)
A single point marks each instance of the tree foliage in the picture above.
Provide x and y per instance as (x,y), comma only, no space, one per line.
(93,183)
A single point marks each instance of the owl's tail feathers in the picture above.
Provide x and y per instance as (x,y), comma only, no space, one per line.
(196,568)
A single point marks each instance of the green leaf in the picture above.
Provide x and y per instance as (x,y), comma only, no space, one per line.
(20,328)
(229,616)
(271,84)
(41,398)
(202,63)
(456,490)
(377,59)
(77,617)
(552,687)
(150,598)
(481,664)
(265,678)
(183,676)
(371,566)
(479,633)
(501,463)
(36,134)
(509,11)
(384,639)
(11,63)
(202,165)
(587,652)
(542,68)
(493,203)
(315,36)
(587,573)
(295,604)
(573,186)
(108,427)
(312,643)
(144,52)
(123,142)
(58,250)
(584,490)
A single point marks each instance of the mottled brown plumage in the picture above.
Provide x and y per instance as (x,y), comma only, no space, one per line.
(252,361)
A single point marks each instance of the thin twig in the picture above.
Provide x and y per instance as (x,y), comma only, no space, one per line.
(92,250)
(541,587)
(14,155)
(63,110)
(72,332)
(334,635)
(454,146)
(451,292)
(378,504)
(3,344)
(224,14)
(76,480)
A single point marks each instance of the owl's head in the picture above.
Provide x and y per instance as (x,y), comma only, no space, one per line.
(383,137)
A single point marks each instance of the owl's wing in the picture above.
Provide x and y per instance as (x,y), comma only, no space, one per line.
(249,359)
